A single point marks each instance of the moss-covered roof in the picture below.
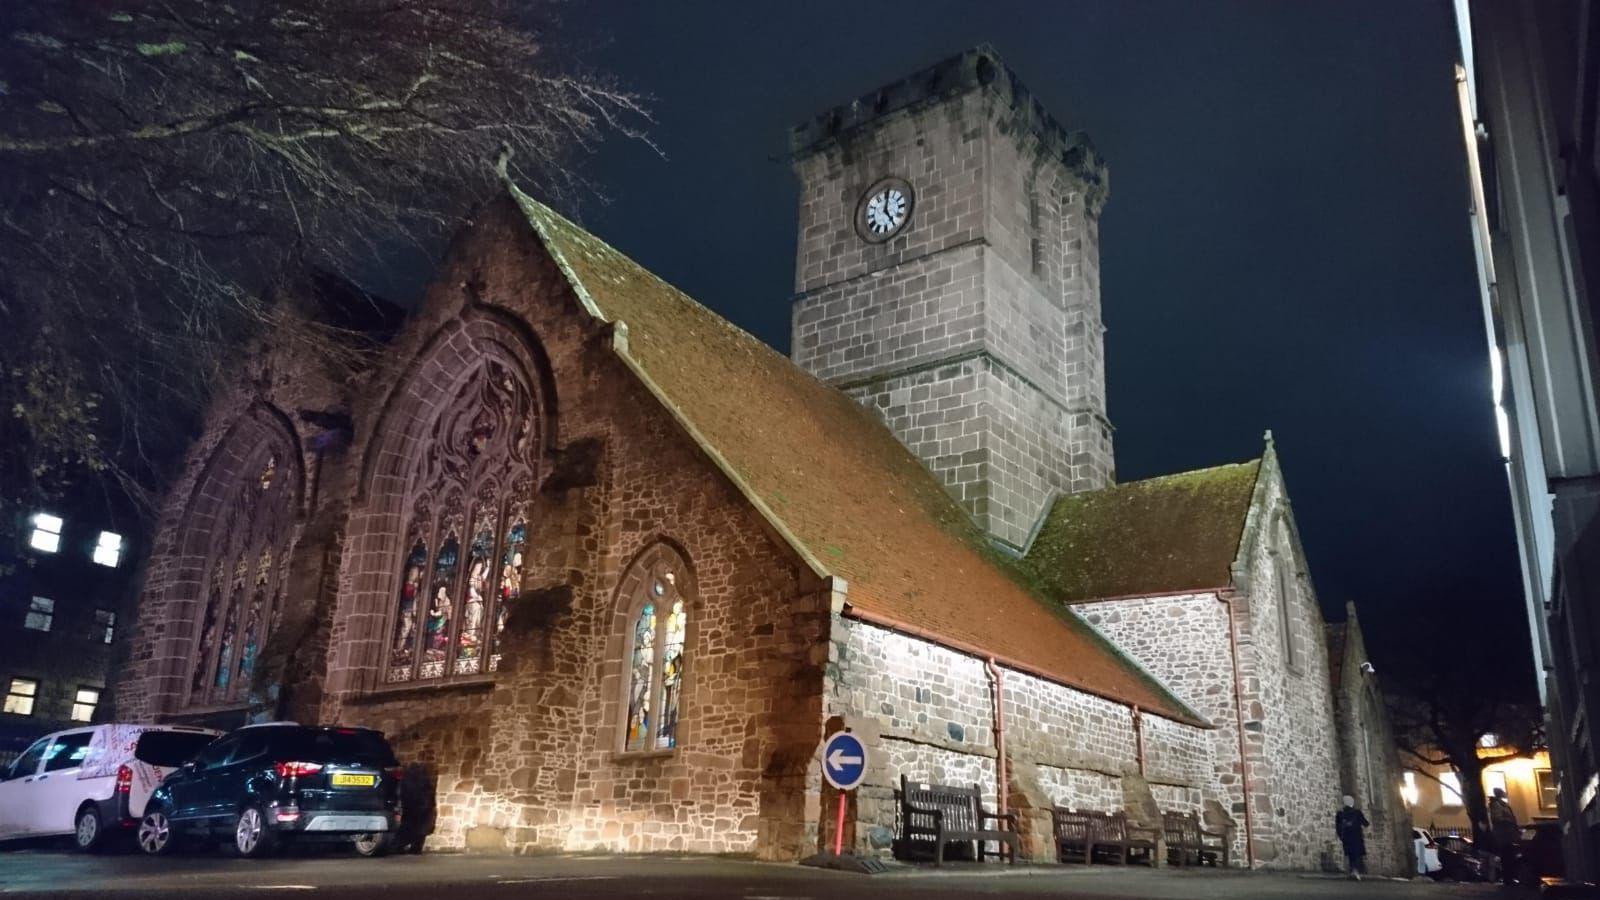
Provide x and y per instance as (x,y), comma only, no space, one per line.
(845,494)
(1163,535)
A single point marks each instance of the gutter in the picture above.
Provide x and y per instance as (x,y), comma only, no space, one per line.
(1002,785)
(1238,714)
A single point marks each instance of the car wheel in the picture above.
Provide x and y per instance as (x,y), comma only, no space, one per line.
(87,834)
(252,836)
(373,844)
(155,836)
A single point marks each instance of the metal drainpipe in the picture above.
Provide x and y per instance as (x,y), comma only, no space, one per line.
(1238,713)
(1138,738)
(998,691)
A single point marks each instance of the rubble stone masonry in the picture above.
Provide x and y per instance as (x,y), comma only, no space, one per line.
(927,712)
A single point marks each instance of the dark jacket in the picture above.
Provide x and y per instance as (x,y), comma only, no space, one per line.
(1348,824)
(1503,824)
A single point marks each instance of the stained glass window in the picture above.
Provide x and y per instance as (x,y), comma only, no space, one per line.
(671,677)
(480,560)
(441,606)
(253,618)
(402,644)
(656,654)
(449,615)
(510,584)
(642,671)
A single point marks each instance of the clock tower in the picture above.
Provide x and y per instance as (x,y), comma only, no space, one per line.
(948,278)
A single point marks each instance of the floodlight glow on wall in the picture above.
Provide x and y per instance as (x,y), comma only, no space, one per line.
(46,534)
(108,550)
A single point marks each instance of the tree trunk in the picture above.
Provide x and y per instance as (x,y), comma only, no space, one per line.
(1470,770)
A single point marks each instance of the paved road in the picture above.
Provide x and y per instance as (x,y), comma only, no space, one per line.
(36,871)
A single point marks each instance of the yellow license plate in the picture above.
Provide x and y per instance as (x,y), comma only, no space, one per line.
(345,779)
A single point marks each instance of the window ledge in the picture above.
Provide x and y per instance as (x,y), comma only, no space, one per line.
(385,693)
(641,756)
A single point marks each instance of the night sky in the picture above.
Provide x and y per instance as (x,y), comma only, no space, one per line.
(1286,244)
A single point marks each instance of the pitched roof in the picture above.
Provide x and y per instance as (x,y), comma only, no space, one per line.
(846,495)
(1159,536)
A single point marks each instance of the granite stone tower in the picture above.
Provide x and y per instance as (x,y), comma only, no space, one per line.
(947,277)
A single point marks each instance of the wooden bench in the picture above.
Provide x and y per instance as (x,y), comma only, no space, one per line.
(1089,836)
(1188,840)
(1120,842)
(947,814)
(1074,832)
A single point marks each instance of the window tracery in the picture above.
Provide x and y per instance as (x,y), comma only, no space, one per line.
(657,631)
(244,589)
(465,499)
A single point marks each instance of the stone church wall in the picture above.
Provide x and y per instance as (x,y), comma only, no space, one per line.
(926,712)
(1183,642)
(1370,769)
(267,402)
(533,758)
(1290,733)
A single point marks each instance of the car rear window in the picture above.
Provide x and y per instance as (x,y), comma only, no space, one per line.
(336,745)
(170,749)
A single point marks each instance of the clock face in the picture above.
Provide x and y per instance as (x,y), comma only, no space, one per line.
(884,210)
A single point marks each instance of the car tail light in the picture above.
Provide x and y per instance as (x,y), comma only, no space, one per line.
(397,773)
(297,769)
(124,780)
(287,813)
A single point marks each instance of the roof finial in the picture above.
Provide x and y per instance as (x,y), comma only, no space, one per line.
(1268,437)
(502,162)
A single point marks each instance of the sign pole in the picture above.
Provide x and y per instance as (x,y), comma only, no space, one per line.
(844,766)
(838,828)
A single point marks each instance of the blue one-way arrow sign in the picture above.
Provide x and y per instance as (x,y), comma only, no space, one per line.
(844,761)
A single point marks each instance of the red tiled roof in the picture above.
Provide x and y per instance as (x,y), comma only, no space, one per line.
(844,492)
(1158,536)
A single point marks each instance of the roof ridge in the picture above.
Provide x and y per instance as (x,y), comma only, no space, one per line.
(1184,473)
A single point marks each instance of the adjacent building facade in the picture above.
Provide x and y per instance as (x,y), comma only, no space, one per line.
(613,569)
(1529,96)
(65,592)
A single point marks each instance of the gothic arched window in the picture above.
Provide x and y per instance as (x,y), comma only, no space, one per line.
(462,565)
(244,590)
(658,617)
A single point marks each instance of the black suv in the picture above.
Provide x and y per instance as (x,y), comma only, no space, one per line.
(263,784)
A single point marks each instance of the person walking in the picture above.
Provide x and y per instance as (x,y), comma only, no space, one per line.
(1349,823)
(1505,831)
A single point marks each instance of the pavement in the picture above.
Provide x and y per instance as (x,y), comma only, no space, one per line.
(47,871)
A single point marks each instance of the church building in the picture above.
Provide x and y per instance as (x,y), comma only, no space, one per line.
(612,570)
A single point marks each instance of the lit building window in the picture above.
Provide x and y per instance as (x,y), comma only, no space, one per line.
(41,612)
(20,696)
(1489,741)
(1408,789)
(1494,781)
(1451,783)
(46,534)
(108,550)
(1545,780)
(104,628)
(83,704)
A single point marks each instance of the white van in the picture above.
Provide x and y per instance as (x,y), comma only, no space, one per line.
(91,782)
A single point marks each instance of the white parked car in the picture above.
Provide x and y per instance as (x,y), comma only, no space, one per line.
(91,782)
(1427,852)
